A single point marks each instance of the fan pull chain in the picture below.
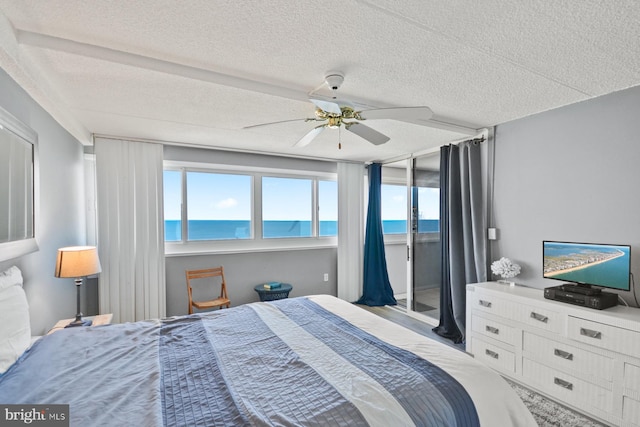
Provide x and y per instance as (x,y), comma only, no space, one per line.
(340,138)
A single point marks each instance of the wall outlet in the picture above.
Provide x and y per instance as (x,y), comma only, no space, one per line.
(326,277)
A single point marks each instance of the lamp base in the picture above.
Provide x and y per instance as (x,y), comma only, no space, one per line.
(82,322)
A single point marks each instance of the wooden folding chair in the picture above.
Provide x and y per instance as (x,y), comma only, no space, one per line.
(219,302)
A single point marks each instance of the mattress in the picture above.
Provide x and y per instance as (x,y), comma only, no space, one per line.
(306,361)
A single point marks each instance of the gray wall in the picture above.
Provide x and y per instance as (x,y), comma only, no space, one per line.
(187,154)
(61,222)
(303,269)
(569,174)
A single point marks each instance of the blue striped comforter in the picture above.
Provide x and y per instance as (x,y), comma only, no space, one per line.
(290,362)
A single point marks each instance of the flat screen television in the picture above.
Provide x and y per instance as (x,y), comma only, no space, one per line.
(587,264)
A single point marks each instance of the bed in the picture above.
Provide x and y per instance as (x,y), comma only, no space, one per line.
(311,361)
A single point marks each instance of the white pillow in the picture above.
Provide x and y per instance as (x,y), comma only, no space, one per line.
(15,330)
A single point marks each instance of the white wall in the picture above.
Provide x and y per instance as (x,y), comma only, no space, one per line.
(62,220)
(569,174)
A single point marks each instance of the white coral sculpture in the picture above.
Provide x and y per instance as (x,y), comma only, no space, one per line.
(505,268)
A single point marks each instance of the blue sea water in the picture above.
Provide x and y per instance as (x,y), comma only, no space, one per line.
(613,273)
(228,229)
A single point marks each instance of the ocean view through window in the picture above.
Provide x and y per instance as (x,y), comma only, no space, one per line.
(218,206)
(286,207)
(172,205)
(252,207)
(328,208)
(393,200)
(428,210)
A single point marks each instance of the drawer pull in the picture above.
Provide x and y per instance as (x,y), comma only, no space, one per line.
(540,317)
(563,383)
(492,330)
(563,354)
(591,334)
(491,353)
(484,303)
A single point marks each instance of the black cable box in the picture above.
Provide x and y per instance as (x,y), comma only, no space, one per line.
(600,301)
(577,289)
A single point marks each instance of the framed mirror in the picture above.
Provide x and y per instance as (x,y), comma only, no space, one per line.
(18,187)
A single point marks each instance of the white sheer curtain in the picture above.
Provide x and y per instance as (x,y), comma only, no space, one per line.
(130,229)
(350,230)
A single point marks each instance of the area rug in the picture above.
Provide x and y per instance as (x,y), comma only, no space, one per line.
(548,413)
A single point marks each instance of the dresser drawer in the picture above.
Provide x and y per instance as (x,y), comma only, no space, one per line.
(567,387)
(494,329)
(631,411)
(537,317)
(496,357)
(488,304)
(541,318)
(605,336)
(632,380)
(563,356)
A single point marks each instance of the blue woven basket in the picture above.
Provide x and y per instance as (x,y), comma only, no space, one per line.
(273,294)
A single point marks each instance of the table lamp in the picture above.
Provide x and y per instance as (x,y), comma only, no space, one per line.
(77,262)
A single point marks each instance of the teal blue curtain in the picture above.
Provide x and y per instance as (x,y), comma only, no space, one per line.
(377,290)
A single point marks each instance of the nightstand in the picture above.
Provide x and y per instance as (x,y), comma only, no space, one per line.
(100,319)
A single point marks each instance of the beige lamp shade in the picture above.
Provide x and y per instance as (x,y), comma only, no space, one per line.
(77,261)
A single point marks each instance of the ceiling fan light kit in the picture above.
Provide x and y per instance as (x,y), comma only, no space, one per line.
(335,115)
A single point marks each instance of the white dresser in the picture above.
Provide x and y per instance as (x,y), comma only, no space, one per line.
(585,358)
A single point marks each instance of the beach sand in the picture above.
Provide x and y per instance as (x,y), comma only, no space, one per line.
(580,267)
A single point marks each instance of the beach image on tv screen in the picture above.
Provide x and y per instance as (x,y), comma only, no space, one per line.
(601,265)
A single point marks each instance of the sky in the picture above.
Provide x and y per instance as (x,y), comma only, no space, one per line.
(228,197)
(394,202)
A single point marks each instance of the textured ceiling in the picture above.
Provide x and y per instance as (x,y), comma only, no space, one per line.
(198,71)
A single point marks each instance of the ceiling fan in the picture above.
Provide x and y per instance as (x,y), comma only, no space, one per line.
(336,114)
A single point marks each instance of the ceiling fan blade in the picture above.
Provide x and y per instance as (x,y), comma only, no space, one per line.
(281,121)
(328,106)
(373,136)
(305,140)
(417,115)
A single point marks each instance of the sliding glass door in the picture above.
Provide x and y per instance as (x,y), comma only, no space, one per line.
(424,236)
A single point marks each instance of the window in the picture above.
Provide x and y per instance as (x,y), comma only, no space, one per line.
(233,208)
(218,206)
(286,207)
(393,199)
(428,210)
(328,208)
(172,206)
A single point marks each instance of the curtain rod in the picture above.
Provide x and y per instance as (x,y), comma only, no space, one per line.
(476,140)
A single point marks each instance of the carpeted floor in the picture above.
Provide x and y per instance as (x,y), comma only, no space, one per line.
(549,413)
